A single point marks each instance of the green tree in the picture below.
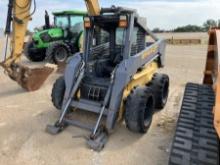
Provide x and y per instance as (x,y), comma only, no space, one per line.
(157,30)
(189,28)
(209,23)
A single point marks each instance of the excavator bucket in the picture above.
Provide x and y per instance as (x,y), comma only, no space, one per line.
(18,17)
(30,79)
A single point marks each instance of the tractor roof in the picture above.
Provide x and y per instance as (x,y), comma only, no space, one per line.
(70,12)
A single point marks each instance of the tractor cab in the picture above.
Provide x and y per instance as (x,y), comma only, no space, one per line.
(71,22)
(56,43)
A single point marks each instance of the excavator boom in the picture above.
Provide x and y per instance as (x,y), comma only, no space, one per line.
(18,16)
(93,7)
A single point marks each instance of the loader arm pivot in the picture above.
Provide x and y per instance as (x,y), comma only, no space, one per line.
(19,15)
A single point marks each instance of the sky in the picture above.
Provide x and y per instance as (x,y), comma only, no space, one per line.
(165,14)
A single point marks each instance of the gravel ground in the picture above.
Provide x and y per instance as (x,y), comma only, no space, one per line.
(24,116)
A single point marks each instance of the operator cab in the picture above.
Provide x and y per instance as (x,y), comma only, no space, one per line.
(71,22)
(106,37)
(106,48)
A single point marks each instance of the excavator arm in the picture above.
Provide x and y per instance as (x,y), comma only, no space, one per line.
(19,14)
(93,7)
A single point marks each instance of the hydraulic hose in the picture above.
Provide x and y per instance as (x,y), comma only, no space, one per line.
(9,17)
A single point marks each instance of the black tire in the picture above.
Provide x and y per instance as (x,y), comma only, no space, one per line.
(58,52)
(139,109)
(160,86)
(33,55)
(58,92)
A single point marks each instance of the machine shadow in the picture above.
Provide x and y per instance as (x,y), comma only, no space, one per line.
(11,92)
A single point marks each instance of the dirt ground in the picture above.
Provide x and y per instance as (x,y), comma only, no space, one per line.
(24,116)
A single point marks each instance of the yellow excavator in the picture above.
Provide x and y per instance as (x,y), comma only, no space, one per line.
(19,14)
(197,134)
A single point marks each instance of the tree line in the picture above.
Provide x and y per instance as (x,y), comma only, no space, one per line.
(192,28)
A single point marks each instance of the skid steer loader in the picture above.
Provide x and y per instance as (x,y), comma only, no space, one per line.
(115,76)
(18,16)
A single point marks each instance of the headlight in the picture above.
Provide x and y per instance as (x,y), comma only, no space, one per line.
(45,37)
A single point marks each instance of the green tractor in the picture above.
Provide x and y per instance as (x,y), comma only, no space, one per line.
(56,43)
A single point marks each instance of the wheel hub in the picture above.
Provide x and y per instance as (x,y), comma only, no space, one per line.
(60,54)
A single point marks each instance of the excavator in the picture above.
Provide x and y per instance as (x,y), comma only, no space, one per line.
(18,16)
(196,139)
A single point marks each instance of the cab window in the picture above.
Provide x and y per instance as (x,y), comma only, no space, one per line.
(76,23)
(62,21)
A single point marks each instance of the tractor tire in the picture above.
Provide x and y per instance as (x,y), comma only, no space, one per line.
(58,92)
(58,52)
(33,56)
(160,86)
(139,109)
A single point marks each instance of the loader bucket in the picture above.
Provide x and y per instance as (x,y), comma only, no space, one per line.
(30,79)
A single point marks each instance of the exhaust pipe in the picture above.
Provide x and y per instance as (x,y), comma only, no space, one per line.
(9,18)
(47,20)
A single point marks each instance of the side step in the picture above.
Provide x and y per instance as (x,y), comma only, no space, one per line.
(195,141)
